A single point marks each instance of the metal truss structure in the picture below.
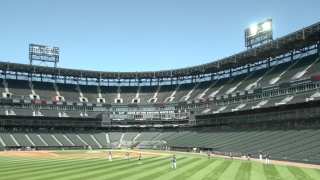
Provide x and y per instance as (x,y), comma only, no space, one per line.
(43,54)
(295,41)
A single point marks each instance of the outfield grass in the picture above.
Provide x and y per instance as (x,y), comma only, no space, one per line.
(190,167)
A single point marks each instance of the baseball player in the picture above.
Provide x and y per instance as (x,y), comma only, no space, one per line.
(260,155)
(209,154)
(139,159)
(174,162)
(127,156)
(231,157)
(267,158)
(110,156)
(248,157)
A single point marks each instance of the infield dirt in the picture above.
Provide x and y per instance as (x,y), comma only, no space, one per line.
(49,154)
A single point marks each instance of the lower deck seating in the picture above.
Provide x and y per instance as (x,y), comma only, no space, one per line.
(75,139)
(47,137)
(298,144)
(114,136)
(101,137)
(88,139)
(22,139)
(62,139)
(36,139)
(5,136)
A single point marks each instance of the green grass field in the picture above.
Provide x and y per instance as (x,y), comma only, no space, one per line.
(190,167)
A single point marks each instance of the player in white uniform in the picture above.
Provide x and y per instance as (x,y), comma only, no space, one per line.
(110,156)
(260,155)
(231,157)
(174,162)
(127,156)
(267,158)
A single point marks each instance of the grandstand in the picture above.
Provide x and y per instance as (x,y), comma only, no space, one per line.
(266,98)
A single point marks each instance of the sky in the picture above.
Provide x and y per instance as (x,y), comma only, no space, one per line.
(142,35)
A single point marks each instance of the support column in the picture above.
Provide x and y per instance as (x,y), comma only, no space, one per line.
(318,47)
(230,73)
(291,56)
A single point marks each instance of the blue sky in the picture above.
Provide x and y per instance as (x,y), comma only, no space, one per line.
(142,35)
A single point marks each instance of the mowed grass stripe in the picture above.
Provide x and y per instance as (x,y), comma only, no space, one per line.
(24,160)
(134,169)
(271,172)
(44,168)
(164,169)
(204,171)
(230,172)
(311,172)
(147,167)
(103,170)
(284,172)
(216,173)
(257,171)
(193,169)
(14,164)
(181,167)
(21,168)
(244,171)
(298,173)
(83,169)
(50,170)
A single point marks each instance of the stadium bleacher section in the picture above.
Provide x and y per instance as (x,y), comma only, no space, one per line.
(154,111)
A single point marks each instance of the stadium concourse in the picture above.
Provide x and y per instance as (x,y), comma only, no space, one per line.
(264,99)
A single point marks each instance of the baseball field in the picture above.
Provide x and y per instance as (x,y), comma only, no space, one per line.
(94,165)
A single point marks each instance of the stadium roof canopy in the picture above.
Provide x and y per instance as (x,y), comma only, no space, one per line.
(305,37)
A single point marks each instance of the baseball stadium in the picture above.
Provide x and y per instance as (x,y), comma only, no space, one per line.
(252,115)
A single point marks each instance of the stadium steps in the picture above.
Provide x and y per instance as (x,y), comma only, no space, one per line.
(63,139)
(225,88)
(276,79)
(186,97)
(8,140)
(22,139)
(47,137)
(14,140)
(304,71)
(157,137)
(36,139)
(101,138)
(147,136)
(120,141)
(30,140)
(2,142)
(129,136)
(171,97)
(136,136)
(115,136)
(96,141)
(82,140)
(87,137)
(164,136)
(205,91)
(68,140)
(54,137)
(107,137)
(42,140)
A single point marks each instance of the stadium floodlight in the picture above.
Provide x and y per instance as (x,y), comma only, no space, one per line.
(44,53)
(266,26)
(259,34)
(253,30)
